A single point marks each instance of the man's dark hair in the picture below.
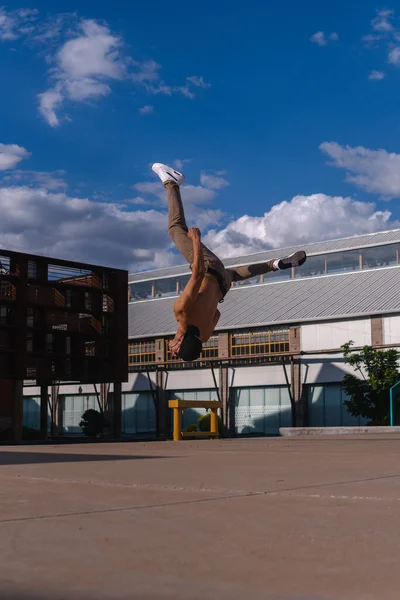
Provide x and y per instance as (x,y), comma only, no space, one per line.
(191,346)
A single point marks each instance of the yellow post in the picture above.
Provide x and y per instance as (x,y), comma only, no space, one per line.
(177,424)
(214,421)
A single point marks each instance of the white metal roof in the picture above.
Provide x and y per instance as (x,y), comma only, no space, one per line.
(351,243)
(328,297)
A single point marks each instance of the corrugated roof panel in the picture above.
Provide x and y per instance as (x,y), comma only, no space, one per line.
(352,243)
(327,297)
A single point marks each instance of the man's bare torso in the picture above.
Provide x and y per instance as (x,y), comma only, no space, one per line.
(204,311)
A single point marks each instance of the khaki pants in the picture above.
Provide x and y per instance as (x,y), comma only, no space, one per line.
(178,231)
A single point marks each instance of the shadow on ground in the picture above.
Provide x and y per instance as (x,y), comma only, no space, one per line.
(29,458)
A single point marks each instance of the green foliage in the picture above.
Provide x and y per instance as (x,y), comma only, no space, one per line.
(204,424)
(93,423)
(192,427)
(369,393)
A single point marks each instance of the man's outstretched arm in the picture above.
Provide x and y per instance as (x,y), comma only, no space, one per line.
(190,292)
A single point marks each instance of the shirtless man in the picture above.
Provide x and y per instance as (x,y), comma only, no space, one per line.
(196,309)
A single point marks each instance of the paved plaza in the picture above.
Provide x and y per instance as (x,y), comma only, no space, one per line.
(279,518)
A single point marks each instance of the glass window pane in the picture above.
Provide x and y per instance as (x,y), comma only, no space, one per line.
(382,256)
(141,291)
(343,261)
(251,281)
(277,275)
(165,287)
(314,265)
(182,282)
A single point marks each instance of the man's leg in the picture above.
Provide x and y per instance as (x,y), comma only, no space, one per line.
(294,260)
(178,229)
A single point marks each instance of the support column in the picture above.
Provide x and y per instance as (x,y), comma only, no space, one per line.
(18,396)
(117,409)
(296,380)
(44,410)
(162,407)
(377,331)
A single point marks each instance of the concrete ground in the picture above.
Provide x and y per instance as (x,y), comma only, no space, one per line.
(299,519)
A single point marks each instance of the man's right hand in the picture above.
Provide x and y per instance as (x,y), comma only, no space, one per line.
(194,234)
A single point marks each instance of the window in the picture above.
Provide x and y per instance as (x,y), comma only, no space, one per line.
(165,287)
(140,352)
(381,256)
(253,343)
(182,282)
(314,265)
(343,261)
(141,291)
(252,281)
(210,350)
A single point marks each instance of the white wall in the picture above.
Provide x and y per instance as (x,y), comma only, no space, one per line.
(391,330)
(256,376)
(326,336)
(324,368)
(191,380)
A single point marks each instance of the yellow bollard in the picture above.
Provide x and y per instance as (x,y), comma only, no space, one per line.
(177,425)
(214,421)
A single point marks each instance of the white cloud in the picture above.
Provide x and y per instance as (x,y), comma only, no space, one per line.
(49,102)
(303,220)
(198,81)
(83,65)
(180,162)
(382,20)
(146,110)
(11,155)
(376,75)
(319,38)
(376,171)
(15,23)
(49,181)
(86,57)
(213,182)
(394,56)
(53,223)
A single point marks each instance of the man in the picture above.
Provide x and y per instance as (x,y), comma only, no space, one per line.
(196,309)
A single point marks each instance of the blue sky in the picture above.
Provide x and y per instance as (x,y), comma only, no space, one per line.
(284,118)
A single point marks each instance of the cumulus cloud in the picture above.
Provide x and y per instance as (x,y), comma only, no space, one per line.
(320,39)
(83,67)
(42,221)
(180,162)
(376,75)
(198,81)
(382,20)
(376,171)
(213,181)
(54,180)
(303,220)
(193,194)
(86,58)
(15,23)
(394,56)
(11,155)
(146,110)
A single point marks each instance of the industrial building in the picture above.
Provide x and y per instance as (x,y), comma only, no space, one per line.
(60,321)
(274,359)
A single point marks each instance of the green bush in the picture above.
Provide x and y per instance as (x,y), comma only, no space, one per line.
(93,423)
(192,427)
(204,424)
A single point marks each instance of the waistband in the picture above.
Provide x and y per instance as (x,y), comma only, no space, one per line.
(219,278)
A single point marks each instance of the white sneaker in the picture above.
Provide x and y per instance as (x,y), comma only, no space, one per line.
(167,173)
(293,260)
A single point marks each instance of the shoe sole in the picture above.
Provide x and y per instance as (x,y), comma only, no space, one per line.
(294,260)
(176,176)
